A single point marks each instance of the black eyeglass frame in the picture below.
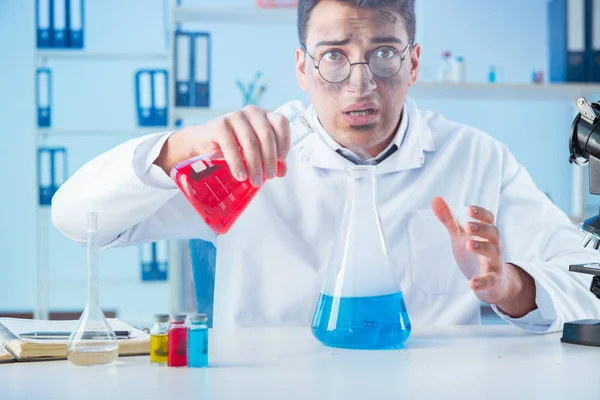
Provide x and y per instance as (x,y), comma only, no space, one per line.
(367,63)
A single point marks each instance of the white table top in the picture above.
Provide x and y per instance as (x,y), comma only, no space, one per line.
(491,362)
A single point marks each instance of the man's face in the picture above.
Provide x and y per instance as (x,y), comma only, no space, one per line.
(361,112)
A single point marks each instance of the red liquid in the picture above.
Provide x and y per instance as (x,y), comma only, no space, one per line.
(177,355)
(212,190)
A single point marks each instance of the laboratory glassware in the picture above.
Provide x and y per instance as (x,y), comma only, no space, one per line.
(93,342)
(177,355)
(208,184)
(361,304)
(159,340)
(198,341)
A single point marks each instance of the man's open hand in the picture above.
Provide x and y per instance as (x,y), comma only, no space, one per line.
(480,256)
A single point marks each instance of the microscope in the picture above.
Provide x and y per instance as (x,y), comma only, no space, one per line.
(584,146)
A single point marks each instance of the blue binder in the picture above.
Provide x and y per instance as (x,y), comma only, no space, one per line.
(192,69)
(593,40)
(201,69)
(183,70)
(59,23)
(567,37)
(154,261)
(75,24)
(52,172)
(43,20)
(151,90)
(43,92)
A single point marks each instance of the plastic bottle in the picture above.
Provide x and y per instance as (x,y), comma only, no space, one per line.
(458,70)
(445,69)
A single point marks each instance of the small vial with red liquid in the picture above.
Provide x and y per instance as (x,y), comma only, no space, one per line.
(177,354)
(208,184)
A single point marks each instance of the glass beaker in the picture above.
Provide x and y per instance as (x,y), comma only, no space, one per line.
(93,342)
(208,184)
(361,305)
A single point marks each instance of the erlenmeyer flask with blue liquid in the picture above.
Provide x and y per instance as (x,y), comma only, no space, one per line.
(361,304)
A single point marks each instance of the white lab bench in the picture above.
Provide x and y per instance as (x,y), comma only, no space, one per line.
(490,362)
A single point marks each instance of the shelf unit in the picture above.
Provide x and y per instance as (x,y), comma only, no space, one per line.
(47,55)
(504,91)
(237,15)
(45,133)
(41,58)
(460,91)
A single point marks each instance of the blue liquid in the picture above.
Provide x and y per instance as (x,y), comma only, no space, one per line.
(362,322)
(198,348)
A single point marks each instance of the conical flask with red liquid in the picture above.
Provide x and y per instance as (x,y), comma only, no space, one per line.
(208,184)
(361,304)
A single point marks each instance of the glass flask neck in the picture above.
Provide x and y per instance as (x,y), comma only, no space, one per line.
(361,214)
(362,187)
(92,301)
(94,341)
(358,263)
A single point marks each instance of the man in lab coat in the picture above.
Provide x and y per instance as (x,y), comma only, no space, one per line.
(463,220)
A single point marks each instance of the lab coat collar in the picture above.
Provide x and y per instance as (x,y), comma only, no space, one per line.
(349,154)
(410,154)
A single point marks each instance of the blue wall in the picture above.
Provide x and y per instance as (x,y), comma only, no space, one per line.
(96,94)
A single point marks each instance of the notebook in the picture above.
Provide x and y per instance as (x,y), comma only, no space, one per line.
(15,348)
(5,356)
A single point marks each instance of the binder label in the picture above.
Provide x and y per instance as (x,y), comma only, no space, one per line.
(576,26)
(43,15)
(596,27)
(44,21)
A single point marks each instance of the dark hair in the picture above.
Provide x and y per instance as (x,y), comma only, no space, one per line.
(404,8)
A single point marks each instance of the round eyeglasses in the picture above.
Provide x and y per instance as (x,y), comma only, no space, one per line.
(335,67)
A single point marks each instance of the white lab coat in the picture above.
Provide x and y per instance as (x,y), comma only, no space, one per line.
(271,264)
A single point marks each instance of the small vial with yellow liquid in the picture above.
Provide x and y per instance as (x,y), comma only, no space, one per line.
(159,340)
